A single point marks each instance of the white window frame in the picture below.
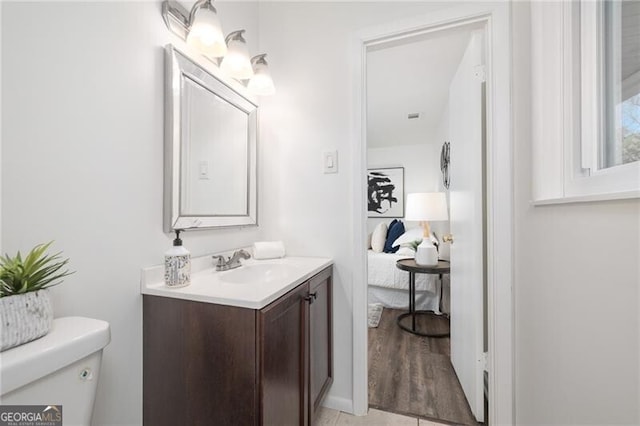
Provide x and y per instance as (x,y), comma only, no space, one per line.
(568,110)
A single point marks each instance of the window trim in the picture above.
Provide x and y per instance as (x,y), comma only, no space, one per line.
(566,148)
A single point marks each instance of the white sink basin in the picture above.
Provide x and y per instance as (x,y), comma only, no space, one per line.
(260,274)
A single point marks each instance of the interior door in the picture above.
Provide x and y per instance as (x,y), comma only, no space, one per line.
(466,130)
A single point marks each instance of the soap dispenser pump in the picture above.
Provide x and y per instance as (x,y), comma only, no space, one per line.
(177,264)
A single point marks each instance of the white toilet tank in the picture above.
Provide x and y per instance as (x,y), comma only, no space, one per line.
(60,368)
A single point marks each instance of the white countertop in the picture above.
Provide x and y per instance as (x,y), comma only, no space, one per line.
(208,285)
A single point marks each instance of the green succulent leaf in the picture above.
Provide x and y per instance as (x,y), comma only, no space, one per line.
(36,271)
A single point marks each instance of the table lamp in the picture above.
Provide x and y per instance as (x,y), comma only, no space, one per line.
(425,207)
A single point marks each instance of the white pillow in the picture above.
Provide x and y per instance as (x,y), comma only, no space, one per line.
(408,237)
(378,237)
(406,251)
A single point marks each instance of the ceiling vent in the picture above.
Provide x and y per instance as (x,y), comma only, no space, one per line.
(413,115)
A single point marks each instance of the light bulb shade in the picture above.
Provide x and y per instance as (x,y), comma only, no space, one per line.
(261,83)
(205,33)
(236,63)
(426,206)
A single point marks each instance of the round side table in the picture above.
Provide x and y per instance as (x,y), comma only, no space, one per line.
(410,265)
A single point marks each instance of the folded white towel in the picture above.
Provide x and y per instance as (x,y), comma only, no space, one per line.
(268,250)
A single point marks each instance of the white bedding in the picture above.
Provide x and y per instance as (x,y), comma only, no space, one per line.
(382,272)
(399,299)
(389,285)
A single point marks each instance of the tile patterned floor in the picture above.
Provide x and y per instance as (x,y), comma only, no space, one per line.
(328,417)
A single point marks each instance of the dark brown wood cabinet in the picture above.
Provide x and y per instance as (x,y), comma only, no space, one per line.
(320,339)
(282,359)
(209,364)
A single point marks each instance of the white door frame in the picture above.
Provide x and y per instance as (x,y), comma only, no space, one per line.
(499,165)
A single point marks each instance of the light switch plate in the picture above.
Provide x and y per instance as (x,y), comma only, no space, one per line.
(330,161)
(204,170)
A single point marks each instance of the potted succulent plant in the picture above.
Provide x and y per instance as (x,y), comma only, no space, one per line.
(25,305)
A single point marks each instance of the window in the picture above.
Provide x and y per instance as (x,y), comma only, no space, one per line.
(621,42)
(586,100)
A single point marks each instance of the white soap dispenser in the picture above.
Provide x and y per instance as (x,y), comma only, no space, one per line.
(177,264)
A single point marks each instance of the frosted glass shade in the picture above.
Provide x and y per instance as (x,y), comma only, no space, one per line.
(261,83)
(236,63)
(206,34)
(426,206)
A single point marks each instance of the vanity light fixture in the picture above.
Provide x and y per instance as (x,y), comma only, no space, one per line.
(236,63)
(261,83)
(201,29)
(205,31)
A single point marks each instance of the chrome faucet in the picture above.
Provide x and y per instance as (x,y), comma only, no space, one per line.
(232,262)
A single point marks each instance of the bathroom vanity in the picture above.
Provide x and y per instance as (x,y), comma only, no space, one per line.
(214,357)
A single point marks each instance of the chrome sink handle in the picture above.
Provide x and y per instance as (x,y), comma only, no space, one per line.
(221,263)
(239,254)
(232,262)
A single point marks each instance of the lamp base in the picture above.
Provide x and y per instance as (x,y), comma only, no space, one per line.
(426,253)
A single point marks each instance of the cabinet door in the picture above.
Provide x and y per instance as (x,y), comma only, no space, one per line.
(320,339)
(283,359)
(199,364)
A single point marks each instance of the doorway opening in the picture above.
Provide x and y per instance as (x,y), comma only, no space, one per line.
(425,112)
(494,20)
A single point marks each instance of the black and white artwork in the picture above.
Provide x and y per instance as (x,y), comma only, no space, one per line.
(385,193)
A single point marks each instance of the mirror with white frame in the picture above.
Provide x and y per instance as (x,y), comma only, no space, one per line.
(210,149)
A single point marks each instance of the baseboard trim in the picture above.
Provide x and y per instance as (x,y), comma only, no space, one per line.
(340,404)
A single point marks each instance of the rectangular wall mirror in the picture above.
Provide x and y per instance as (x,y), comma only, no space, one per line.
(210,149)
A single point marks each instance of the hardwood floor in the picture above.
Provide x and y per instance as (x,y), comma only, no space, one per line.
(329,417)
(412,375)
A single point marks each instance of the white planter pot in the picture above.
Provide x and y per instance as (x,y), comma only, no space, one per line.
(24,317)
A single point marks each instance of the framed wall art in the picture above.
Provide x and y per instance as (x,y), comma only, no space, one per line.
(385,192)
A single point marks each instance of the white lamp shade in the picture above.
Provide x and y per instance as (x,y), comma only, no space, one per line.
(261,83)
(236,63)
(206,34)
(426,206)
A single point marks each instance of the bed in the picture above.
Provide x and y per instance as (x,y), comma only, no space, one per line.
(389,285)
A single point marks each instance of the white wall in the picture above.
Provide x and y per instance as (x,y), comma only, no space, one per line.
(1,104)
(421,169)
(576,291)
(82,143)
(442,136)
